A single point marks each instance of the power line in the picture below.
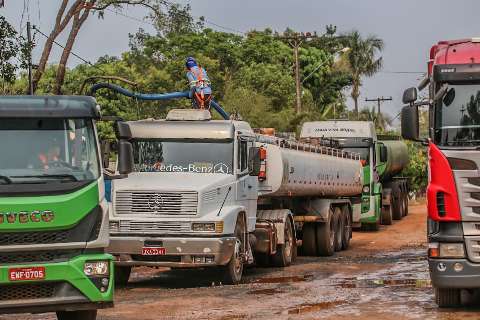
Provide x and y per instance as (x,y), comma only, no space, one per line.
(71,52)
(403,72)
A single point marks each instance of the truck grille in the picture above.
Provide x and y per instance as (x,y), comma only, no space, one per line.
(156,203)
(19,238)
(38,256)
(27,291)
(153,227)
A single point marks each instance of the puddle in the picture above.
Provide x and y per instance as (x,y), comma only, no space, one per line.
(286,279)
(374,283)
(268,292)
(314,307)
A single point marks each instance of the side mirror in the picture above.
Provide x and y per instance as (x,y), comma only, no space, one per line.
(410,125)
(410,95)
(105,148)
(383,153)
(122,130)
(125,157)
(254,162)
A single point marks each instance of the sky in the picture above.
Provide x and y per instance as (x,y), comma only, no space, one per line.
(408,27)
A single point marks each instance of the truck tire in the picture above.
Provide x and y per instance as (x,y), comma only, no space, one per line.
(232,272)
(447,298)
(309,242)
(347,230)
(77,315)
(405,197)
(396,208)
(339,226)
(122,274)
(387,215)
(326,236)
(284,255)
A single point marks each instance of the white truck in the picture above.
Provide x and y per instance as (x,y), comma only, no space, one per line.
(212,193)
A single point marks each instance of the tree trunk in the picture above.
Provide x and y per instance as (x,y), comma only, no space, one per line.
(62,66)
(60,23)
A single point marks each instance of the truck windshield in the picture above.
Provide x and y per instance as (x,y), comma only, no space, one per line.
(457,116)
(43,151)
(183,156)
(362,151)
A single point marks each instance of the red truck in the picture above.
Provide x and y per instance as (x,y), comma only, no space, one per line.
(453,193)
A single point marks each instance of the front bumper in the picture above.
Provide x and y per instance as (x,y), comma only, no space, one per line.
(68,288)
(180,251)
(468,278)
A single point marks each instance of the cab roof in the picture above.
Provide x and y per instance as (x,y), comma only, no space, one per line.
(208,130)
(462,51)
(48,107)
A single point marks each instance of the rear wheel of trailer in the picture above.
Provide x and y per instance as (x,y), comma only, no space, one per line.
(347,231)
(77,315)
(325,234)
(387,215)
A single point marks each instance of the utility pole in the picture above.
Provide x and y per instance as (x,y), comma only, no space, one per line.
(379,102)
(30,47)
(295,40)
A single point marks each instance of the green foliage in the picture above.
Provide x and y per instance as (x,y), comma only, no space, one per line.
(14,52)
(417,168)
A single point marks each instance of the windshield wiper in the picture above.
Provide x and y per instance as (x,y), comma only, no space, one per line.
(6,179)
(70,177)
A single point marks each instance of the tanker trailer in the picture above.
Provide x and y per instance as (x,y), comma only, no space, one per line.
(384,194)
(393,158)
(320,185)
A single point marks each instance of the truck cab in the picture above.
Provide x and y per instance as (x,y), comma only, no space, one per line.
(191,198)
(53,212)
(453,83)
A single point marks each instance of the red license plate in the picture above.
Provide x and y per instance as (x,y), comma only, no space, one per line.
(22,274)
(153,251)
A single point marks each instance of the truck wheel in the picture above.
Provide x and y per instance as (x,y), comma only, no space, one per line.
(447,298)
(77,315)
(309,243)
(387,215)
(232,272)
(347,229)
(284,255)
(396,208)
(122,274)
(405,197)
(326,236)
(339,226)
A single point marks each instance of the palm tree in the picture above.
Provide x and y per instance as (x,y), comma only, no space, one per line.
(362,60)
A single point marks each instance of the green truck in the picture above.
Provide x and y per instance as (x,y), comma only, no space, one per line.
(53,212)
(384,196)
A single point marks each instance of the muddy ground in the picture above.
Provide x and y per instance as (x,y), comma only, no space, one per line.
(383,275)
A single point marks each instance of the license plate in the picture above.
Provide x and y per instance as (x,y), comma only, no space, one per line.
(153,251)
(22,274)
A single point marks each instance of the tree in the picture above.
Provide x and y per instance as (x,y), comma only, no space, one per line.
(362,60)
(14,52)
(77,12)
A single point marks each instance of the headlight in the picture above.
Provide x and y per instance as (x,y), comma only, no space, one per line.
(452,250)
(96,268)
(216,227)
(366,189)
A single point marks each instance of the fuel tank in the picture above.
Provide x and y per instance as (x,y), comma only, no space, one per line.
(397,158)
(296,169)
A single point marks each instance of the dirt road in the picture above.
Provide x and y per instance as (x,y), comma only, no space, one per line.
(383,275)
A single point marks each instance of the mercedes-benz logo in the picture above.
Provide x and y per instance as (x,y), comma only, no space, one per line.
(220,168)
(155,202)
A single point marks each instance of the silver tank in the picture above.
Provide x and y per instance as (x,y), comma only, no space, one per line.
(295,169)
